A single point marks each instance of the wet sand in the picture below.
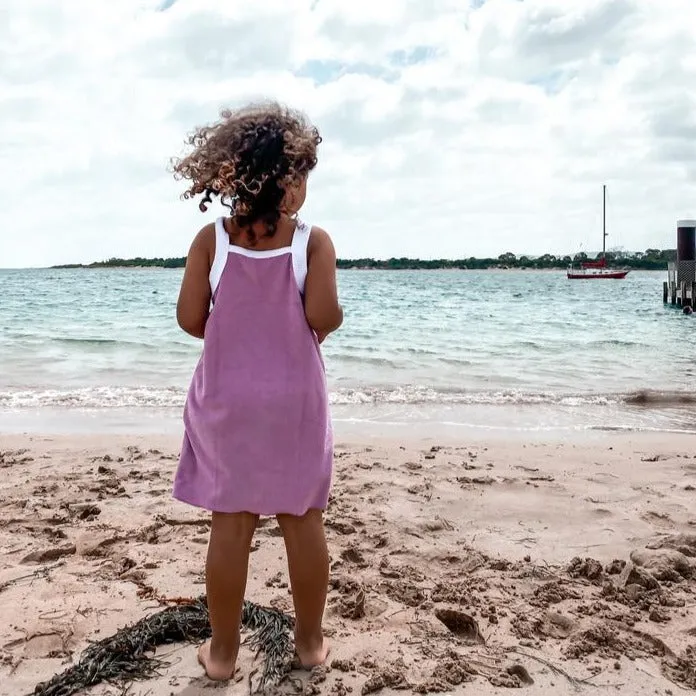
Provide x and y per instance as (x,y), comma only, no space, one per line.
(470,567)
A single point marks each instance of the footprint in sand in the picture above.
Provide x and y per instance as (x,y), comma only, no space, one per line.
(658,519)
(353,555)
(461,625)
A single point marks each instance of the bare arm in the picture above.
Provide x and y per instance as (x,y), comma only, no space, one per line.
(324,313)
(193,306)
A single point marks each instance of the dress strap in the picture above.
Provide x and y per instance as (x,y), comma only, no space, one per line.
(300,242)
(222,245)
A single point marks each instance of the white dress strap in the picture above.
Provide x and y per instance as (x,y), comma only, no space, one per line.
(222,245)
(300,242)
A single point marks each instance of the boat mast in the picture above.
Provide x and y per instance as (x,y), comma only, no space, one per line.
(604,221)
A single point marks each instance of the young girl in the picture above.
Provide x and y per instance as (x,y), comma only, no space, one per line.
(260,290)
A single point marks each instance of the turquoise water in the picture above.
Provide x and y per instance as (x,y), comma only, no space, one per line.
(519,350)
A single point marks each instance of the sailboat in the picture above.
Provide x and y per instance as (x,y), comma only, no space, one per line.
(591,270)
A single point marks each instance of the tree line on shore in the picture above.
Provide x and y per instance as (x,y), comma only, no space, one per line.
(649,260)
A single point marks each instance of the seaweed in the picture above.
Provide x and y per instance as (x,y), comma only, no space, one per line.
(128,655)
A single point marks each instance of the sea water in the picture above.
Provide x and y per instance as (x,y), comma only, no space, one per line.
(513,350)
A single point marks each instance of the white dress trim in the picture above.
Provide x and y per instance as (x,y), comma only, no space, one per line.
(298,249)
(300,243)
(222,241)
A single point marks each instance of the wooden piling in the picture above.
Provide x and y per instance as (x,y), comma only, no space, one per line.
(681,294)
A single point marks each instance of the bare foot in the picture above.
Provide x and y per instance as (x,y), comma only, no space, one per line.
(217,669)
(307,658)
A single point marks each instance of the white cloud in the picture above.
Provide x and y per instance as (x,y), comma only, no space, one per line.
(449,130)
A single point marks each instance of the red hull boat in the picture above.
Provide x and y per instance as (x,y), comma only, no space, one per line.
(594,270)
(609,274)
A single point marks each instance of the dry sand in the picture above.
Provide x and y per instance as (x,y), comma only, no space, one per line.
(420,540)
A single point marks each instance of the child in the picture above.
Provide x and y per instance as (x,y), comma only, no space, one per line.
(260,290)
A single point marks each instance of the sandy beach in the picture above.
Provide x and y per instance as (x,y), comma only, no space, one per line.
(469,567)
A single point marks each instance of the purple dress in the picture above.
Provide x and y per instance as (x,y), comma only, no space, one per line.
(258,434)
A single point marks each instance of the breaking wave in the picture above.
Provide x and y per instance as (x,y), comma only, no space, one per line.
(158,398)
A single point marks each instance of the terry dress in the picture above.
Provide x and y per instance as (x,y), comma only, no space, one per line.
(258,434)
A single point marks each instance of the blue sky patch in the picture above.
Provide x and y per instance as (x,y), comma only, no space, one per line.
(323,71)
(412,56)
(552,81)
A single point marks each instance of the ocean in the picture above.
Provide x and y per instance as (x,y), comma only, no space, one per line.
(501,351)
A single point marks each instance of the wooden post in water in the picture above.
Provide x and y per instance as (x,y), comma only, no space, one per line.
(680,288)
(686,261)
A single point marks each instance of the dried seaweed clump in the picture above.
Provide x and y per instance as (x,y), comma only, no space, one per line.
(128,654)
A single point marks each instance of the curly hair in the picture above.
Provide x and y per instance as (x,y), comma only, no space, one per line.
(248,158)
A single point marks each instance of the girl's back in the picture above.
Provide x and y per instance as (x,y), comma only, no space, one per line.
(258,434)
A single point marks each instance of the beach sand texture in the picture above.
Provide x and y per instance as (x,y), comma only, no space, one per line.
(421,537)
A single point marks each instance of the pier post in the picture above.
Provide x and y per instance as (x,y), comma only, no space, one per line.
(680,288)
(686,253)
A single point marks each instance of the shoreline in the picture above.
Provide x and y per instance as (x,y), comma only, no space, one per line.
(364,413)
(487,527)
(147,423)
(483,269)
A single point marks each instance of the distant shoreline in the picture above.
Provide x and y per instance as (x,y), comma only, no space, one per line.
(488,269)
(650,260)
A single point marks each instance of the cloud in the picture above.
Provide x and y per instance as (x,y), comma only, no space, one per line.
(449,130)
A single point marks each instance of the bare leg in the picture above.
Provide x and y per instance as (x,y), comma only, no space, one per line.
(308,563)
(225,579)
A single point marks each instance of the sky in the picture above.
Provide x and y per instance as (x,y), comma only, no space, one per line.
(452,128)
